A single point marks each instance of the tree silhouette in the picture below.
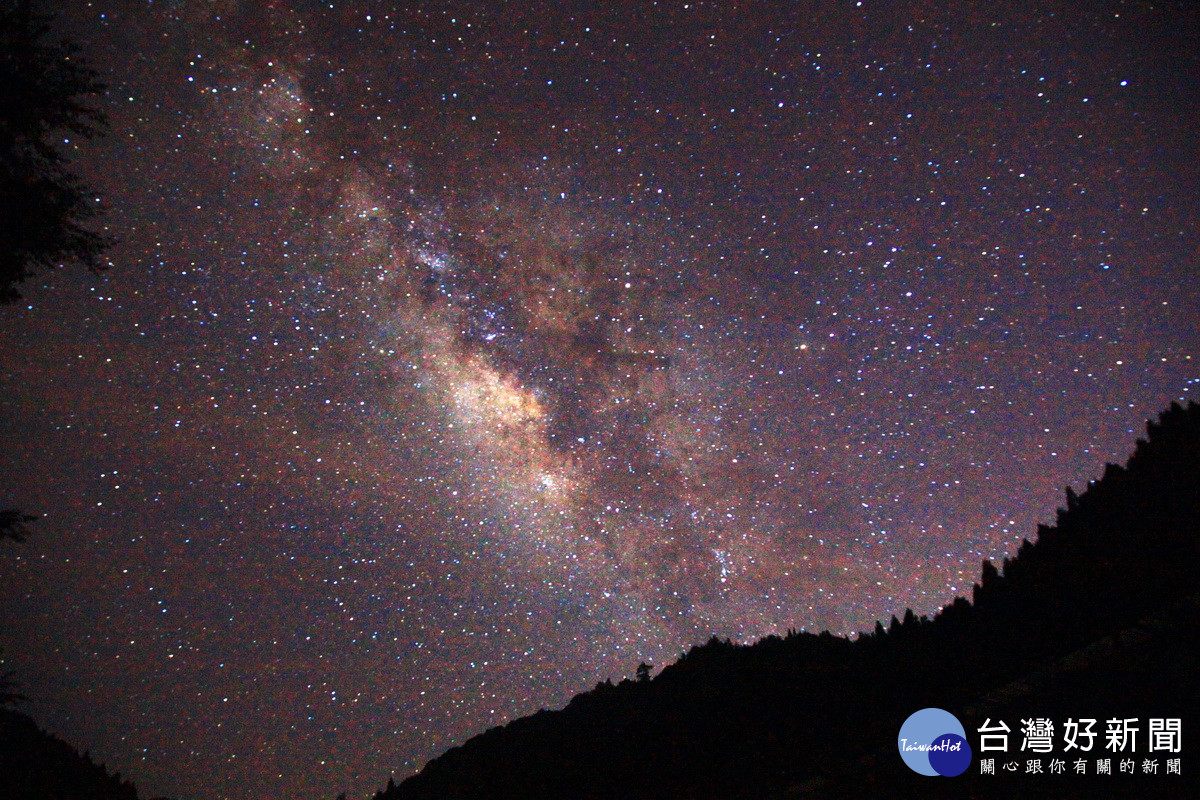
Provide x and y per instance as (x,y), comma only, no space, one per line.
(46,91)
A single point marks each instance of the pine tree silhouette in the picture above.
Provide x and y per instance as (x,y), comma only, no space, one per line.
(46,90)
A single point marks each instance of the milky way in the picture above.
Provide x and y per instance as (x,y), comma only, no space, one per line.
(455,358)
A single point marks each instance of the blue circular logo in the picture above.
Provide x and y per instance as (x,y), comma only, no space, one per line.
(934,742)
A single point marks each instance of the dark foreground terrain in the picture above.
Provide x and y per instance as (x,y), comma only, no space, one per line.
(1096,618)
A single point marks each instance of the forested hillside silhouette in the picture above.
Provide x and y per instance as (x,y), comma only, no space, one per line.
(35,765)
(1096,617)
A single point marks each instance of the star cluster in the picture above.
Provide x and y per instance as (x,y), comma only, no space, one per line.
(457,356)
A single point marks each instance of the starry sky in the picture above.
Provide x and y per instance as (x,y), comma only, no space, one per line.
(457,356)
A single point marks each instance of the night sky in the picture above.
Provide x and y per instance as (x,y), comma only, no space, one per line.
(457,357)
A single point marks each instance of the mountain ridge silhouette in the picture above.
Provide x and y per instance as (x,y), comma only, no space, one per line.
(36,765)
(817,715)
(1095,618)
